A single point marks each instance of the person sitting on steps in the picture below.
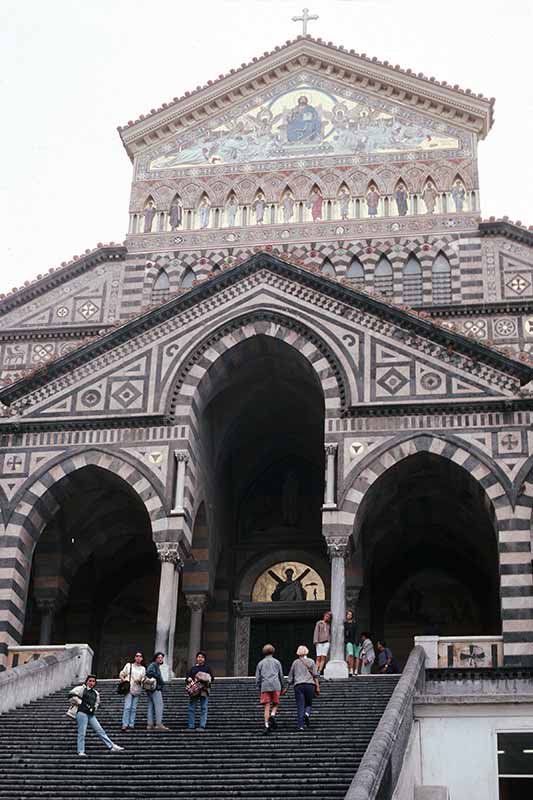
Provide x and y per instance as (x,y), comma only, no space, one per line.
(269,681)
(155,697)
(200,672)
(87,700)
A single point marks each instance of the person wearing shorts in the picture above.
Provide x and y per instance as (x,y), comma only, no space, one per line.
(269,681)
(321,640)
(351,644)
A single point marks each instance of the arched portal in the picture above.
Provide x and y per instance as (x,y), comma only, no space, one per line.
(428,545)
(262,463)
(95,572)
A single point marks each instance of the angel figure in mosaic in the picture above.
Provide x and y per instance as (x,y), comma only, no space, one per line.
(231,210)
(344,202)
(458,194)
(149,214)
(315,203)
(401,197)
(203,211)
(429,196)
(259,208)
(287,205)
(372,201)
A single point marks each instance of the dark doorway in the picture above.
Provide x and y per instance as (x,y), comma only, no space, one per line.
(286,636)
(516,788)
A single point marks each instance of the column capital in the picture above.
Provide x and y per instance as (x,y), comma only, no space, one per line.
(196,602)
(331,448)
(181,455)
(169,552)
(51,603)
(337,544)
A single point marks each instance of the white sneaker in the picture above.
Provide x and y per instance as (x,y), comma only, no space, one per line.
(82,754)
(116,749)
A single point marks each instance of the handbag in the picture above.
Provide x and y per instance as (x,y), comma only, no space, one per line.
(193,688)
(316,681)
(149,684)
(124,686)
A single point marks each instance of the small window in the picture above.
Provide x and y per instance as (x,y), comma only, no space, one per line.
(328,268)
(441,280)
(383,276)
(412,282)
(356,274)
(187,279)
(161,287)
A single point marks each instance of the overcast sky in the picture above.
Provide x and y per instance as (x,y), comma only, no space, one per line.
(72,70)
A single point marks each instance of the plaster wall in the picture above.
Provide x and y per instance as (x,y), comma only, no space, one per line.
(458,745)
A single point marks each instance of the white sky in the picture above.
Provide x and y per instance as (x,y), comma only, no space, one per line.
(72,70)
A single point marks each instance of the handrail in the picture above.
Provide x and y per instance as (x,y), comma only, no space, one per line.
(381,764)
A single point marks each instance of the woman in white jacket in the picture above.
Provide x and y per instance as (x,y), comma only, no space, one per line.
(135,673)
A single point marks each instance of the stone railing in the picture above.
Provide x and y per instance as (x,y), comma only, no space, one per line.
(55,668)
(460,652)
(382,763)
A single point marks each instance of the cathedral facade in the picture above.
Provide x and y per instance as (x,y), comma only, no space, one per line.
(303,382)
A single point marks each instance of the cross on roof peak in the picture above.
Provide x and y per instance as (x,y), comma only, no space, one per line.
(304,19)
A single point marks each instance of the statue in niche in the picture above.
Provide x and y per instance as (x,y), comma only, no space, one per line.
(203,211)
(290,496)
(458,194)
(430,197)
(149,214)
(303,123)
(291,588)
(175,215)
(288,206)
(259,208)
(401,196)
(344,203)
(315,204)
(231,210)
(372,201)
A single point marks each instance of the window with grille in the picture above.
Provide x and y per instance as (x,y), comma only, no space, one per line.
(187,279)
(412,282)
(161,287)
(441,280)
(356,274)
(383,277)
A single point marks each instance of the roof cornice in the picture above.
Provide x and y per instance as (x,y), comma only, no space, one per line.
(417,323)
(510,230)
(455,105)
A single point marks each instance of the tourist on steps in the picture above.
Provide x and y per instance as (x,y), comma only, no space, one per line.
(87,699)
(386,662)
(367,654)
(269,681)
(203,674)
(303,675)
(351,643)
(321,640)
(134,672)
(155,697)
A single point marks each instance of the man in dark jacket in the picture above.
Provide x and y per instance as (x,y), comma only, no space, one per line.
(87,699)
(155,697)
(202,673)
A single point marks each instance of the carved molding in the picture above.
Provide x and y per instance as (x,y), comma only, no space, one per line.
(338,545)
(196,602)
(168,552)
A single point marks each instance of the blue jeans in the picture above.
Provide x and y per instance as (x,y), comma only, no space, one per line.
(83,720)
(155,707)
(130,709)
(304,693)
(193,703)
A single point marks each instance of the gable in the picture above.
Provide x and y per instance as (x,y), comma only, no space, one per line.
(302,119)
(387,357)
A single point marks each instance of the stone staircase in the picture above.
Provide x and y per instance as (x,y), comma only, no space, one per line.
(231,759)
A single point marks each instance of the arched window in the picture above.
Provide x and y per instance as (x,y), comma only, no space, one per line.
(187,279)
(161,287)
(328,268)
(383,276)
(441,280)
(356,274)
(412,282)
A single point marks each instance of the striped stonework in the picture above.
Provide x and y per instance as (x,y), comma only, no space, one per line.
(513,525)
(36,505)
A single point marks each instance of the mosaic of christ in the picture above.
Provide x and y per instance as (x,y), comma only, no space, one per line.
(304,122)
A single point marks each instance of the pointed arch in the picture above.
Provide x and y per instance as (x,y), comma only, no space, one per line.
(328,268)
(161,287)
(441,280)
(187,279)
(412,293)
(355,274)
(383,276)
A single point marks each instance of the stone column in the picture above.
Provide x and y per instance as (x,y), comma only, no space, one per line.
(168,553)
(181,457)
(197,604)
(337,549)
(47,607)
(173,616)
(329,499)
